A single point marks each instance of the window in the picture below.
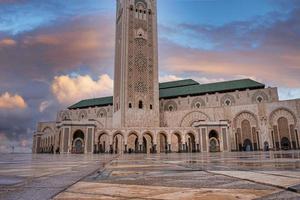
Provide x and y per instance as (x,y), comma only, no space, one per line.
(101,115)
(259,99)
(171,108)
(198,105)
(130,105)
(140,105)
(150,106)
(227,102)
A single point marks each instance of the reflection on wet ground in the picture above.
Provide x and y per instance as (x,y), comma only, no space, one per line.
(234,175)
(26,176)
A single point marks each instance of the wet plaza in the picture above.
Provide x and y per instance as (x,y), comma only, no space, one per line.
(234,175)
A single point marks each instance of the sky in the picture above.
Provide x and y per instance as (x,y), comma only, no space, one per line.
(54,53)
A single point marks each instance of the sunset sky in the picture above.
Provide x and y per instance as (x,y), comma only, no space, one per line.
(54,53)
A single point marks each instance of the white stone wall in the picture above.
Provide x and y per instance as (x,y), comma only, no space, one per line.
(208,115)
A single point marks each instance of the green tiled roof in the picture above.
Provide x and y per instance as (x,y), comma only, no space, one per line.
(179,83)
(104,101)
(221,87)
(182,88)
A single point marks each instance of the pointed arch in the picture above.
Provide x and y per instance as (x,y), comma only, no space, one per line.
(194,116)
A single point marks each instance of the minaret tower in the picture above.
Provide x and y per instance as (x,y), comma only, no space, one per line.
(136,90)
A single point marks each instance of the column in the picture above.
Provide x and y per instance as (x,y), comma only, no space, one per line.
(154,148)
(65,141)
(111,150)
(126,151)
(89,140)
(184,148)
(290,134)
(204,140)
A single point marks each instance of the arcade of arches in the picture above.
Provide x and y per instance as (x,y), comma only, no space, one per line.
(145,143)
(203,136)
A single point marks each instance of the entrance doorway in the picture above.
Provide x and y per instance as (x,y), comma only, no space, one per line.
(214,144)
(285,143)
(248,145)
(78,142)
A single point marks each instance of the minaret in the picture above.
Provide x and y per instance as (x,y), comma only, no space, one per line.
(136,91)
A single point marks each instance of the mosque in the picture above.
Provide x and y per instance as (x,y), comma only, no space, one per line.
(145,116)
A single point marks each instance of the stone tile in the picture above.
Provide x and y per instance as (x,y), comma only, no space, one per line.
(231,175)
(268,179)
(85,190)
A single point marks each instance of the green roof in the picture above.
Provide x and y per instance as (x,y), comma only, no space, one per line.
(181,88)
(104,101)
(201,89)
(179,83)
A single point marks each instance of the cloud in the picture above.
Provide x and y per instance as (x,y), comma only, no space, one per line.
(288,93)
(69,89)
(44,105)
(7,42)
(10,101)
(168,78)
(83,44)
(266,48)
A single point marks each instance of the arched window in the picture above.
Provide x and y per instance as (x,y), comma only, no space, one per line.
(130,105)
(150,106)
(259,99)
(227,102)
(140,105)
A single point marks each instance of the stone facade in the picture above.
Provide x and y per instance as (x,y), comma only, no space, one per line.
(139,121)
(136,67)
(199,123)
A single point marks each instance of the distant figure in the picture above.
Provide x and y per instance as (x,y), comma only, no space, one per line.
(266,146)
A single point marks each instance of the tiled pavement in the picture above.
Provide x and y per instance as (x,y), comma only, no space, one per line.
(255,175)
(39,177)
(252,175)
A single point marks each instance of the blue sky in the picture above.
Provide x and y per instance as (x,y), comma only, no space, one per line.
(47,46)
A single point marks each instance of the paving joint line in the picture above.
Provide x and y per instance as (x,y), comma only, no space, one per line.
(70,185)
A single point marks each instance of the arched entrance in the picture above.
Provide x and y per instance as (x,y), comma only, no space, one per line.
(284,135)
(132,143)
(78,142)
(214,144)
(103,143)
(191,143)
(247,145)
(285,143)
(246,124)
